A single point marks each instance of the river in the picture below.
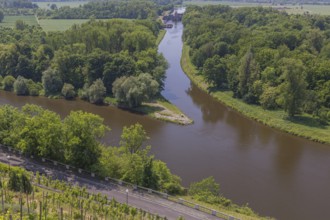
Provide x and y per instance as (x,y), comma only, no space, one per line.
(279,175)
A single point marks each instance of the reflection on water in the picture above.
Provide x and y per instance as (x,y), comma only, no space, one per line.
(277,174)
(212,111)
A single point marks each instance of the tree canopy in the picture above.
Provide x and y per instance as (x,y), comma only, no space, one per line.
(263,56)
(75,140)
(86,56)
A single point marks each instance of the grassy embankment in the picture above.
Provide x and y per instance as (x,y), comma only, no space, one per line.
(289,8)
(243,212)
(303,125)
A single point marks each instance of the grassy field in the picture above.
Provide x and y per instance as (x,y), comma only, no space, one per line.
(304,125)
(9,21)
(292,9)
(160,36)
(72,4)
(59,24)
(237,212)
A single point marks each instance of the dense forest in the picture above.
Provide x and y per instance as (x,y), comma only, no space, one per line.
(274,2)
(130,9)
(85,60)
(136,9)
(265,57)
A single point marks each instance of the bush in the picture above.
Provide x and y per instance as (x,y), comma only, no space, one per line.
(132,91)
(96,92)
(8,83)
(20,86)
(68,91)
(34,88)
(83,93)
(51,82)
(205,186)
(269,97)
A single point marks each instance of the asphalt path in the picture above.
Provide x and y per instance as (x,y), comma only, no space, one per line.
(151,203)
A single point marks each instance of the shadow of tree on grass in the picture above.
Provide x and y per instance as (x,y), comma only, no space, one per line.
(307,120)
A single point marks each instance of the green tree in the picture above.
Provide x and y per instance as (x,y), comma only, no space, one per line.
(1,16)
(166,180)
(215,72)
(41,133)
(268,99)
(150,178)
(294,86)
(8,83)
(132,91)
(247,73)
(19,25)
(82,131)
(133,137)
(68,91)
(206,190)
(26,186)
(14,182)
(21,86)
(51,82)
(96,92)
(207,185)
(122,64)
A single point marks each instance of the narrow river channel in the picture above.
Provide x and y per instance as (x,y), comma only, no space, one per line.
(279,175)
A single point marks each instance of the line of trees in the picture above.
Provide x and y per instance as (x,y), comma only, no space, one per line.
(85,60)
(133,9)
(130,9)
(75,141)
(265,57)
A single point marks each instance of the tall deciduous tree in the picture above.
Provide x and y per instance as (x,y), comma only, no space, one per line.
(132,91)
(20,86)
(51,82)
(96,92)
(1,16)
(215,71)
(133,137)
(294,86)
(82,131)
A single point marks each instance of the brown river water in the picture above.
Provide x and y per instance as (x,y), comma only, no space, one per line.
(277,174)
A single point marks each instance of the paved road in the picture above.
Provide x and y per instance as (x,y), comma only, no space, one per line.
(147,202)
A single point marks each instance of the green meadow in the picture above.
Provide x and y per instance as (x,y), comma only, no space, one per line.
(292,9)
(9,21)
(59,24)
(72,4)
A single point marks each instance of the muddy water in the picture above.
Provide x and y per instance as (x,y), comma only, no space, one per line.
(277,174)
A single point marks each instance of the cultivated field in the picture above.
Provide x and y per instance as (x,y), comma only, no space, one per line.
(59,24)
(72,4)
(9,21)
(294,9)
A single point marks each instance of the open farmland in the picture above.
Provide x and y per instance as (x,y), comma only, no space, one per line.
(9,21)
(59,24)
(72,4)
(292,9)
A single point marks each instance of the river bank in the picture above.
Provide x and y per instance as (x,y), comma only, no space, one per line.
(303,126)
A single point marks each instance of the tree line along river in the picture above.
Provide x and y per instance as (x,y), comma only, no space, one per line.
(277,174)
